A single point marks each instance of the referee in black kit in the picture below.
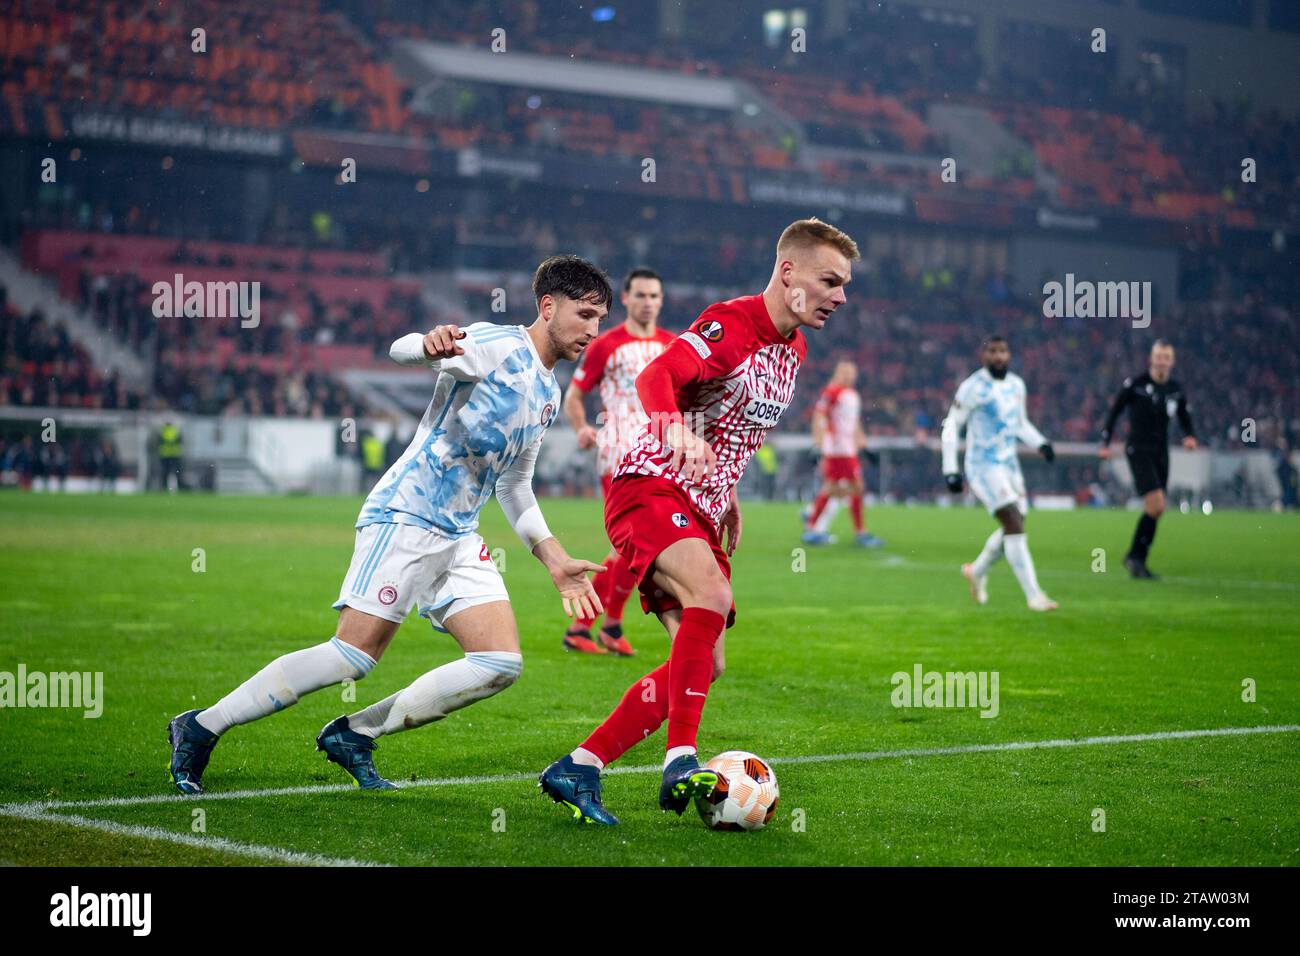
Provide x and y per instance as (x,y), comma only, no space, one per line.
(1152,399)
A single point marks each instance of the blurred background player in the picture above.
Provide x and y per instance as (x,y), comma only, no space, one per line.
(990,405)
(1152,398)
(417,541)
(710,399)
(612,363)
(837,433)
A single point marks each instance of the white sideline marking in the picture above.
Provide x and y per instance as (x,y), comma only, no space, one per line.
(221,844)
(50,807)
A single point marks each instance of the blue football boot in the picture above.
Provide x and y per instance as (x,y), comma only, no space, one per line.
(577,786)
(815,537)
(684,780)
(868,540)
(351,751)
(192,745)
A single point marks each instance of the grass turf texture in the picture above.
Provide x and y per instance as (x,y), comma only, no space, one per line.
(106,584)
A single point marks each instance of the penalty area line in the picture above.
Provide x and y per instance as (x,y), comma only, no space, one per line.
(49,808)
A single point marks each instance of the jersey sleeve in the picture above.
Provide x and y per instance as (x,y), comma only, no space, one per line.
(485,345)
(480,356)
(950,435)
(1116,407)
(708,349)
(514,490)
(1028,433)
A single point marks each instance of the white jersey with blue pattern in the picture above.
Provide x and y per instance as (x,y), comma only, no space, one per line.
(993,411)
(490,406)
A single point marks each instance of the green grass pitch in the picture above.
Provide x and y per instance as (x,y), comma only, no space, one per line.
(107,584)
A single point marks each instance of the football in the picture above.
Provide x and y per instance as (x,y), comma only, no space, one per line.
(746,795)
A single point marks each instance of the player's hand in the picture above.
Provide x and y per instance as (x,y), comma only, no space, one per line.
(954,483)
(692,455)
(731,525)
(440,343)
(1104,453)
(587,437)
(1190,443)
(570,577)
(1047,451)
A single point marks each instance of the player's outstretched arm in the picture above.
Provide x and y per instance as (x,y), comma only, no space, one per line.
(1032,436)
(949,439)
(570,578)
(1116,407)
(441,349)
(514,491)
(657,386)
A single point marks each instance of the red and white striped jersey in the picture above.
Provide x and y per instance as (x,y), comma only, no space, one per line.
(734,376)
(612,361)
(841,406)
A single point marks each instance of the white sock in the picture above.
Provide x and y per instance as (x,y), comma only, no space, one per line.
(280,683)
(827,515)
(675,752)
(1017,548)
(585,757)
(989,556)
(434,695)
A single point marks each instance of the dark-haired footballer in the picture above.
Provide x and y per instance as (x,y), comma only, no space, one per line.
(990,405)
(494,396)
(1152,399)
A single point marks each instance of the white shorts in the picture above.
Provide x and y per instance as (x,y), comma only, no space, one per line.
(997,486)
(395,566)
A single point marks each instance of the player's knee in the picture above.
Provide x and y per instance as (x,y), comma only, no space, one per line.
(500,668)
(714,594)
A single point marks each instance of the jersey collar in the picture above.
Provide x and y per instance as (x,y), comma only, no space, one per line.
(537,358)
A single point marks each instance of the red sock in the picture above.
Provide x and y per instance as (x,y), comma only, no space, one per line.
(855,508)
(639,714)
(819,505)
(690,672)
(602,583)
(622,584)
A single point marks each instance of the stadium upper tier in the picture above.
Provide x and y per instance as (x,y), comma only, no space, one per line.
(876,124)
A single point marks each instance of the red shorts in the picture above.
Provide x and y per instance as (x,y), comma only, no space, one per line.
(644,514)
(841,468)
(605,481)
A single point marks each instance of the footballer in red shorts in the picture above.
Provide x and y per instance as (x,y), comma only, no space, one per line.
(672,512)
(611,364)
(838,438)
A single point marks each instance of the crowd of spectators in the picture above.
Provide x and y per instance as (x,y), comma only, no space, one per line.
(1097,144)
(41,365)
(913,324)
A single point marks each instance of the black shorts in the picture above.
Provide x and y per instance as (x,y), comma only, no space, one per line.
(1150,467)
